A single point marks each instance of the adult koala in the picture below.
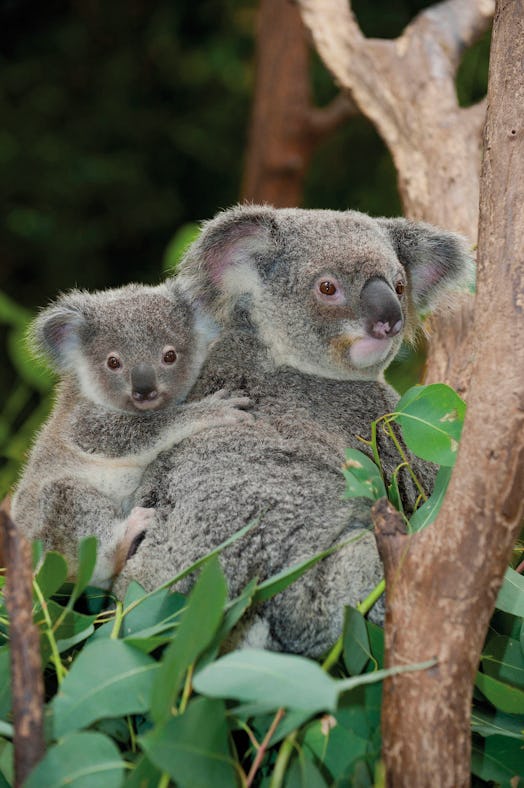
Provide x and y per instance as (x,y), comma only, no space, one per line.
(314,306)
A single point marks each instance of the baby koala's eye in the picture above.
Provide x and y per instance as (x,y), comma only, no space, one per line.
(400,287)
(327,287)
(169,356)
(113,362)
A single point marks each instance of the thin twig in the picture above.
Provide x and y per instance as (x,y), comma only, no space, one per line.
(263,747)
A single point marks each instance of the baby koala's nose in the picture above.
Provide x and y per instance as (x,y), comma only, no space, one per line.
(143,383)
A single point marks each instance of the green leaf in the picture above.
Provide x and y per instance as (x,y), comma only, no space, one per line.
(178,245)
(363,478)
(197,628)
(394,494)
(427,513)
(356,642)
(303,773)
(52,574)
(497,758)
(511,594)
(144,775)
(86,566)
(73,627)
(496,723)
(502,659)
(193,747)
(277,680)
(12,313)
(277,583)
(107,679)
(432,422)
(5,681)
(30,369)
(503,696)
(157,610)
(82,760)
(334,746)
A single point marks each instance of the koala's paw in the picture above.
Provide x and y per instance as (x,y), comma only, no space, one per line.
(225,409)
(135,528)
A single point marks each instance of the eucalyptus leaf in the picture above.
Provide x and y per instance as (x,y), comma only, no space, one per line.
(279,680)
(5,681)
(432,422)
(279,582)
(503,696)
(356,642)
(427,513)
(363,478)
(198,625)
(52,574)
(193,747)
(303,773)
(503,659)
(81,760)
(496,723)
(108,678)
(144,775)
(497,758)
(86,565)
(511,594)
(334,746)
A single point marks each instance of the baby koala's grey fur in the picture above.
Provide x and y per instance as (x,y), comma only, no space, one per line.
(109,424)
(314,306)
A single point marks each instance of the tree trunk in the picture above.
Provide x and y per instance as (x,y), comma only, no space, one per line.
(443,582)
(285,127)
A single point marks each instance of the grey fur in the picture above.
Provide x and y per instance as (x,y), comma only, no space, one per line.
(108,425)
(258,269)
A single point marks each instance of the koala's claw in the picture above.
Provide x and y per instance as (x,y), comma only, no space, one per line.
(136,526)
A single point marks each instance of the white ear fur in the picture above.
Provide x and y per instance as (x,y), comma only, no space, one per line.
(56,333)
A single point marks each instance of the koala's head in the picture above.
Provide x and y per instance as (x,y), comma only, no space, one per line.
(131,349)
(329,293)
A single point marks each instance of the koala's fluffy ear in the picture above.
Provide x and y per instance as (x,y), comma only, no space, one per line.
(56,332)
(233,251)
(436,260)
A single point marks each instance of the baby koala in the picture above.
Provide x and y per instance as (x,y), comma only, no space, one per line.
(127,358)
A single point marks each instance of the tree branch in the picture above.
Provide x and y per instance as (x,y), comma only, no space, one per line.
(457,24)
(324,120)
(26,666)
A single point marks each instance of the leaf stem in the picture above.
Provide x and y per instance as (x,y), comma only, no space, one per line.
(263,747)
(284,754)
(391,433)
(188,689)
(61,671)
(119,617)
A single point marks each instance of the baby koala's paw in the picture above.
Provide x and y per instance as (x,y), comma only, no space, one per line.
(225,409)
(135,527)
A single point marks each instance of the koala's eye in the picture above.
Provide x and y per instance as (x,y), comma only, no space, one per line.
(113,362)
(169,356)
(400,287)
(327,288)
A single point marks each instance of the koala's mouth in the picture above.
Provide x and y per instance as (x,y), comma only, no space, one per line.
(149,404)
(368,351)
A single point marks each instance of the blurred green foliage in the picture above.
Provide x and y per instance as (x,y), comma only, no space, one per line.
(123,124)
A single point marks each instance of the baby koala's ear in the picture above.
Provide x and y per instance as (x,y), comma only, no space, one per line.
(233,252)
(56,332)
(436,260)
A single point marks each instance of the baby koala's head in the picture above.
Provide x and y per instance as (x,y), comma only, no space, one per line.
(130,349)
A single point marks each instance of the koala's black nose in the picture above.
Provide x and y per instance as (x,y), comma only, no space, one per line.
(143,383)
(381,309)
